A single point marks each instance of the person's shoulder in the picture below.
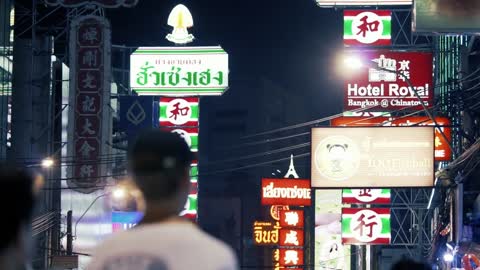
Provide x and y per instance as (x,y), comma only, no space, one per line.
(214,245)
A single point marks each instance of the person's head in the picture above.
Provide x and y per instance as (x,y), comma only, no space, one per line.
(409,264)
(18,196)
(159,164)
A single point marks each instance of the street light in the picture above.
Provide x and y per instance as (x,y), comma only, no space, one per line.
(47,163)
(448,257)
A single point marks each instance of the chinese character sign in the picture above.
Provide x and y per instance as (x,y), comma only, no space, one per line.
(366,196)
(291,237)
(179,71)
(291,218)
(291,257)
(372,27)
(382,84)
(364,3)
(190,135)
(442,150)
(266,233)
(179,111)
(190,209)
(89,96)
(366,226)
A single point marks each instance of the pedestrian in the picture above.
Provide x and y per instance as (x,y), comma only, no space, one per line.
(159,164)
(409,264)
(17,194)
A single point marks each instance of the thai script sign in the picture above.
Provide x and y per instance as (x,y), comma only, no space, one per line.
(442,150)
(286,192)
(366,226)
(179,111)
(365,3)
(89,98)
(179,71)
(367,27)
(266,233)
(102,3)
(384,85)
(366,196)
(372,157)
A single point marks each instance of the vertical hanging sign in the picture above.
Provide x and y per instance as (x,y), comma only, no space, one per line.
(89,97)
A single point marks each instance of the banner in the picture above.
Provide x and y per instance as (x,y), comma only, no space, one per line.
(372,157)
(366,196)
(179,71)
(442,150)
(383,84)
(367,27)
(286,192)
(89,116)
(179,111)
(366,226)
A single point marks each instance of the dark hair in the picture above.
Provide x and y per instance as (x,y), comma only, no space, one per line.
(159,161)
(409,264)
(17,198)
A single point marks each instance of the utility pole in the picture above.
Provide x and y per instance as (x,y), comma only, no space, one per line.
(69,233)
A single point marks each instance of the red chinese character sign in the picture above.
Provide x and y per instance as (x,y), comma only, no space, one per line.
(291,257)
(291,218)
(383,83)
(179,111)
(291,237)
(366,226)
(102,3)
(367,27)
(89,96)
(366,196)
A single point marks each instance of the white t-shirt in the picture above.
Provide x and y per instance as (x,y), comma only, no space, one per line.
(163,246)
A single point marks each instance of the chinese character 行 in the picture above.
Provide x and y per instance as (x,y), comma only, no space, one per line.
(363,224)
(367,26)
(86,170)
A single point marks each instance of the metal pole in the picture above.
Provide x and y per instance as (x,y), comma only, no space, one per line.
(69,233)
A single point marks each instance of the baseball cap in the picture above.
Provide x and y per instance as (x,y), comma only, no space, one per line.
(155,150)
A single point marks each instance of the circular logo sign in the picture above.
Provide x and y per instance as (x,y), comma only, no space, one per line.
(337,158)
(275,210)
(184,135)
(179,111)
(367,27)
(366,226)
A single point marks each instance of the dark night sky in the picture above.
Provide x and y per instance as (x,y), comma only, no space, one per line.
(292,42)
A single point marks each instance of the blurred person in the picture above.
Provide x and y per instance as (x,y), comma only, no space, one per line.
(17,195)
(409,264)
(159,164)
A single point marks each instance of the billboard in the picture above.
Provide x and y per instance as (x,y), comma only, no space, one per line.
(179,71)
(372,157)
(366,196)
(367,226)
(367,27)
(286,192)
(330,253)
(448,16)
(442,150)
(364,3)
(381,87)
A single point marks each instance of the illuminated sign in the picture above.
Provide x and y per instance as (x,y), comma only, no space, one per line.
(125,220)
(275,210)
(383,88)
(366,196)
(366,226)
(180,19)
(291,237)
(442,150)
(291,257)
(372,157)
(330,253)
(367,27)
(179,71)
(179,111)
(365,3)
(190,135)
(291,218)
(266,233)
(286,192)
(102,3)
